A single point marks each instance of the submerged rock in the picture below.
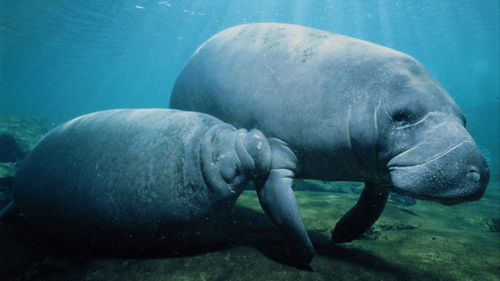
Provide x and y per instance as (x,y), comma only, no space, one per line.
(26,130)
(10,151)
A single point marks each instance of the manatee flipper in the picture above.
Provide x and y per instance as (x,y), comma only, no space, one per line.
(363,215)
(9,211)
(279,203)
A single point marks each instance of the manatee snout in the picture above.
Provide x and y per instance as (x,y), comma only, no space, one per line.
(472,173)
(461,174)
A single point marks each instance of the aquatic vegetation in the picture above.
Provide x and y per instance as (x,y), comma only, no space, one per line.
(402,201)
(494,225)
(327,186)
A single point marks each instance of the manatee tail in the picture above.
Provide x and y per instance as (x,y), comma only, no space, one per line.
(11,209)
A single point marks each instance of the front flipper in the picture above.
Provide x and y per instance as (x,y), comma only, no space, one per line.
(363,215)
(279,203)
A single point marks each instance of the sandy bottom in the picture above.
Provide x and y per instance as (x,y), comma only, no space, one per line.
(426,241)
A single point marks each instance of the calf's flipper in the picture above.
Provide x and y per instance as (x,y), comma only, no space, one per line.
(279,203)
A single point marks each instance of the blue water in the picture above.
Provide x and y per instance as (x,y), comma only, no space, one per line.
(65,58)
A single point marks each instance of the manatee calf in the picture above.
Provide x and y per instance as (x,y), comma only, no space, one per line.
(348,109)
(141,178)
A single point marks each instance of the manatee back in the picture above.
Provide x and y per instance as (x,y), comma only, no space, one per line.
(132,175)
(298,84)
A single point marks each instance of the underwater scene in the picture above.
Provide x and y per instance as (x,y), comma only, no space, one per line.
(250,140)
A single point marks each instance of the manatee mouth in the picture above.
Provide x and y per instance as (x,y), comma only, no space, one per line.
(459,174)
(413,157)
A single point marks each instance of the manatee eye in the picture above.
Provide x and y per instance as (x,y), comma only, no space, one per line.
(399,116)
(404,117)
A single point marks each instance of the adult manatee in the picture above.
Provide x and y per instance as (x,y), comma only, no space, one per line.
(143,178)
(349,109)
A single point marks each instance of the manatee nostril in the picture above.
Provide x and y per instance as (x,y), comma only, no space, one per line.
(473,175)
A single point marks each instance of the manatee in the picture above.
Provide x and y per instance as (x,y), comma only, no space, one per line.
(144,178)
(348,109)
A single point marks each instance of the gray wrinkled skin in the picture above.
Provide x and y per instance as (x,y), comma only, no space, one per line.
(349,110)
(137,178)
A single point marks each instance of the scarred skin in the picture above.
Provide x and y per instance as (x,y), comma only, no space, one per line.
(348,109)
(144,178)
